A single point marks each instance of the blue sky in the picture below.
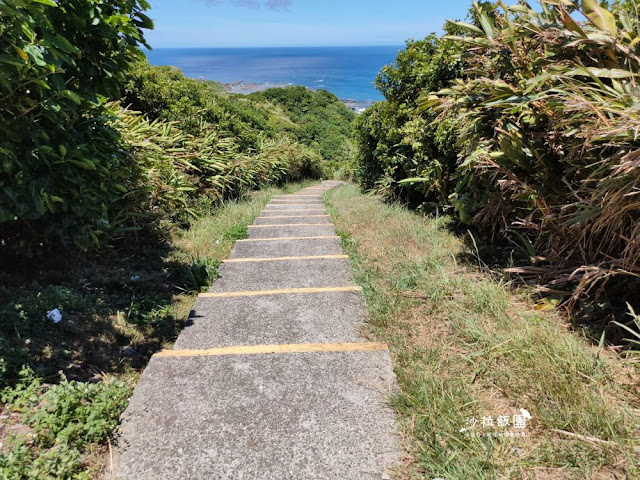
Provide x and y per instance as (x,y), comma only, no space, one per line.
(274,23)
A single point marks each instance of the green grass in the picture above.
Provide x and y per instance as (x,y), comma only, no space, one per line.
(466,345)
(118,308)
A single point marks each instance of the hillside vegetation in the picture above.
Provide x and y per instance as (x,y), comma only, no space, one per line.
(97,144)
(314,119)
(523,124)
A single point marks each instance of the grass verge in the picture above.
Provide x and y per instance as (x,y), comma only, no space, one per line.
(471,353)
(64,385)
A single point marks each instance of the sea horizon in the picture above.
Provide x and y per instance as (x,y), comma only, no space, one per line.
(346,71)
(273,46)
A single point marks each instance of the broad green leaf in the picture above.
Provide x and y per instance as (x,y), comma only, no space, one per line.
(467,26)
(520,9)
(145,21)
(413,180)
(599,16)
(486,22)
(566,3)
(11,60)
(74,97)
(571,24)
(477,41)
(600,72)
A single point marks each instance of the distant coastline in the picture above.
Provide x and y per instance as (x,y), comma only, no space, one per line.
(358,106)
(347,72)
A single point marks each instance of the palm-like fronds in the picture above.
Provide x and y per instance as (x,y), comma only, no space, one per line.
(550,110)
(177,170)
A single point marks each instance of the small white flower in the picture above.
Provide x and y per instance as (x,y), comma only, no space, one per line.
(134,278)
(54,315)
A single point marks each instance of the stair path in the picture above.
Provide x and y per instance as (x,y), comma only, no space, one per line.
(270,378)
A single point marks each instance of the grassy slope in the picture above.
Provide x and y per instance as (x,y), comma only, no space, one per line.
(465,346)
(111,326)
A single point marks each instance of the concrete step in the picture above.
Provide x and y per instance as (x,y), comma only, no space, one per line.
(285,248)
(297,201)
(297,231)
(274,416)
(291,220)
(254,276)
(329,317)
(266,384)
(291,211)
(292,206)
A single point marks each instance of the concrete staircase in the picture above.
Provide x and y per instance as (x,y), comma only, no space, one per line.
(270,379)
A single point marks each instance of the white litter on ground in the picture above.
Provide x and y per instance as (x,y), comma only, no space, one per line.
(54,315)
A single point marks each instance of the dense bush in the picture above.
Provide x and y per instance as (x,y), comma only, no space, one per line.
(545,118)
(396,141)
(222,144)
(178,170)
(165,93)
(549,121)
(61,166)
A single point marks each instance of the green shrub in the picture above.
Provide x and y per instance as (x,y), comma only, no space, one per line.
(402,152)
(316,119)
(79,169)
(196,106)
(548,120)
(61,164)
(20,461)
(235,142)
(77,413)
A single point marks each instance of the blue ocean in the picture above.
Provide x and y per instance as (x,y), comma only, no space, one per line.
(347,72)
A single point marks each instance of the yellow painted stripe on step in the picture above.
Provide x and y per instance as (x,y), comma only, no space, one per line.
(282,291)
(292,225)
(292,204)
(294,216)
(273,239)
(281,259)
(287,348)
(294,195)
(296,210)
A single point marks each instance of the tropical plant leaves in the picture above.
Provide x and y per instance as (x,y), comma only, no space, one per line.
(599,16)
